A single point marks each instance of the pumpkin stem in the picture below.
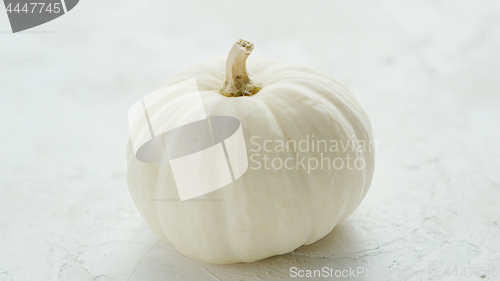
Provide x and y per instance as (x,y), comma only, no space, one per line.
(237,82)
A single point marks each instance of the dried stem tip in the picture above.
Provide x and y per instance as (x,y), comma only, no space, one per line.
(237,82)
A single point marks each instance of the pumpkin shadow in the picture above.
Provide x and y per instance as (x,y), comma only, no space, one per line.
(340,249)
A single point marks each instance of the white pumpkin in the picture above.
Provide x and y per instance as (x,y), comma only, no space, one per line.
(271,211)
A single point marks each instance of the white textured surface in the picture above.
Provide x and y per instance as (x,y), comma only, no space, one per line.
(426,72)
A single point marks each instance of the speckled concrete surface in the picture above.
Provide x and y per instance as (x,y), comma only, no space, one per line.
(426,72)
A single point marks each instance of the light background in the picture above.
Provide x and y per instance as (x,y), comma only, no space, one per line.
(427,73)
